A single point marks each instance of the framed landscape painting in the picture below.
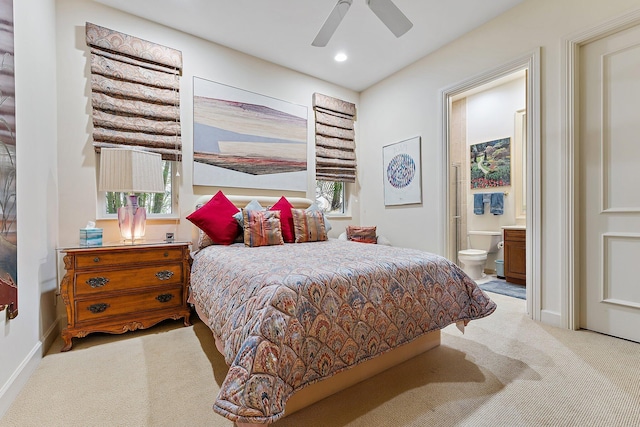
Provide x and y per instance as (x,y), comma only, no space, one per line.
(244,139)
(491,164)
(402,174)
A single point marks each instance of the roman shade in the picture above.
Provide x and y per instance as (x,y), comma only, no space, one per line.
(335,139)
(135,93)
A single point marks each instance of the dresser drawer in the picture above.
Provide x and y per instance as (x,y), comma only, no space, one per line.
(100,308)
(93,282)
(101,259)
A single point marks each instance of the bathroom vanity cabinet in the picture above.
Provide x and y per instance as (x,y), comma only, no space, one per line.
(515,255)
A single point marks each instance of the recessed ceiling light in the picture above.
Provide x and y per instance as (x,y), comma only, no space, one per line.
(341,57)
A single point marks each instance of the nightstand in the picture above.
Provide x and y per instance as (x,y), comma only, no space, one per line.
(121,288)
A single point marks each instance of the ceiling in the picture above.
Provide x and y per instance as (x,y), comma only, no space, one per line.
(281,31)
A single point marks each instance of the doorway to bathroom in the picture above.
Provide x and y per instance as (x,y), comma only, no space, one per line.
(492,177)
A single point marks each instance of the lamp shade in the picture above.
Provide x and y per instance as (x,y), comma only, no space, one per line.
(130,171)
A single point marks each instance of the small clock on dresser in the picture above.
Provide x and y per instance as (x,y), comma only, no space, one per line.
(122,288)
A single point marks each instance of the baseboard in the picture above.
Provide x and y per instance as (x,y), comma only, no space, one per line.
(52,334)
(552,318)
(17,381)
(21,375)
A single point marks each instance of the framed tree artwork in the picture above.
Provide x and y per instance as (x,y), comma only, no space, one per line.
(491,164)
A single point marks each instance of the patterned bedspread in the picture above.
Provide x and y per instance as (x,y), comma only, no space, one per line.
(293,314)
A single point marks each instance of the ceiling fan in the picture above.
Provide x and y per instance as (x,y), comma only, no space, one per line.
(386,10)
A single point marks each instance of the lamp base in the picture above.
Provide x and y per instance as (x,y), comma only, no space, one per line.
(132,220)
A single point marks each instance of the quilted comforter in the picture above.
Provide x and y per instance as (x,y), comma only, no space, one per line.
(290,315)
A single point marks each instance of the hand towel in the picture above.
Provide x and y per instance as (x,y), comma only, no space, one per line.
(496,206)
(478,204)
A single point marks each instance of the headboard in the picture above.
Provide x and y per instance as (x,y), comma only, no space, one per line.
(241,201)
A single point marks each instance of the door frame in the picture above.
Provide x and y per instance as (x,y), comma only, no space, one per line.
(570,184)
(530,62)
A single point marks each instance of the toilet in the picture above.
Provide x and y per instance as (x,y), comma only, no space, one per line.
(474,259)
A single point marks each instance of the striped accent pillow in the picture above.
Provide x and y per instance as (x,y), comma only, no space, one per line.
(362,234)
(308,225)
(204,240)
(262,228)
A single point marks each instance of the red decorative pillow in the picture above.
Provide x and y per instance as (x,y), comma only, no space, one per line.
(286,219)
(216,219)
(362,234)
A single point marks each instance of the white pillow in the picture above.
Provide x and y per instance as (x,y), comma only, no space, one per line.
(383,241)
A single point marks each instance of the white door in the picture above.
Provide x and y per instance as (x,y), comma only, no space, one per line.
(609,177)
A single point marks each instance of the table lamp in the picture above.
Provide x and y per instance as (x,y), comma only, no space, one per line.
(131,171)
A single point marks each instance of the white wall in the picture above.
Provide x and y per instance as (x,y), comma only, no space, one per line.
(21,339)
(77,174)
(408,104)
(56,161)
(490,116)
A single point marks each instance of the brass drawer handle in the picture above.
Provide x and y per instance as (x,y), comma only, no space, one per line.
(164,297)
(164,274)
(96,259)
(97,282)
(98,308)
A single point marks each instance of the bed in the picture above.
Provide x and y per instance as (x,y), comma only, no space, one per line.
(297,322)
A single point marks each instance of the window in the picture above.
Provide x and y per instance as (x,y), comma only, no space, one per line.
(330,196)
(156,204)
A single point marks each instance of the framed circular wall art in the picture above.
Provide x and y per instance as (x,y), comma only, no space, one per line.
(402,174)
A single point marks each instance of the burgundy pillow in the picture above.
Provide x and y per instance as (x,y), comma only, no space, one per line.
(286,219)
(216,219)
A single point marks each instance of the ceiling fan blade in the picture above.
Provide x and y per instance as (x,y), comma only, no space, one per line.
(391,16)
(331,24)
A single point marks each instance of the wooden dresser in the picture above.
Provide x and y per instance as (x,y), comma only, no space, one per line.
(122,288)
(515,255)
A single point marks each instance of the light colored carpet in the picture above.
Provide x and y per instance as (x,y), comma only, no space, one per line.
(506,370)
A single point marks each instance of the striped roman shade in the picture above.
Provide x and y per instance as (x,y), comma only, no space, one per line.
(135,93)
(335,139)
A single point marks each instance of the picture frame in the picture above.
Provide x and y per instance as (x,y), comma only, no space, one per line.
(490,164)
(402,174)
(247,140)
